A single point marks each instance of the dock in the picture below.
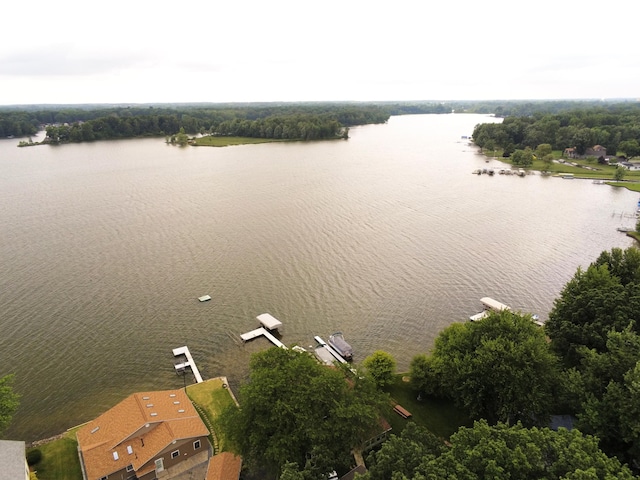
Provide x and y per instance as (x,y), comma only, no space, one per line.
(269,323)
(258,332)
(489,305)
(177,352)
(328,348)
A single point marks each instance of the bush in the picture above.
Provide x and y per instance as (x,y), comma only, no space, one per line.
(34,457)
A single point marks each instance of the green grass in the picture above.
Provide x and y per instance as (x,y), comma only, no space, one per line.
(211,141)
(213,399)
(634,187)
(440,416)
(604,172)
(59,459)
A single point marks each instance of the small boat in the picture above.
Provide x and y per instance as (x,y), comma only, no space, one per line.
(204,298)
(340,345)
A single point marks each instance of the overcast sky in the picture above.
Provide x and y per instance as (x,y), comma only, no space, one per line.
(138,51)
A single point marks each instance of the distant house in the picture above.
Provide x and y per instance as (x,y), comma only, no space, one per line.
(146,436)
(570,153)
(634,166)
(13,460)
(595,151)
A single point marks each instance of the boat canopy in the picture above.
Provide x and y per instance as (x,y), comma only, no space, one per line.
(491,304)
(268,321)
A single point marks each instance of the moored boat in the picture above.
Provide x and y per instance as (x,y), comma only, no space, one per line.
(340,345)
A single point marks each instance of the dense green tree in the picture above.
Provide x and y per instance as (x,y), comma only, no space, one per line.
(607,394)
(403,454)
(499,452)
(604,297)
(522,158)
(620,173)
(509,452)
(294,410)
(631,148)
(499,368)
(9,401)
(381,366)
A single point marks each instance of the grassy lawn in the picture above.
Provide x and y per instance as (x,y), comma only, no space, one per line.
(634,187)
(59,459)
(438,415)
(210,141)
(212,398)
(604,172)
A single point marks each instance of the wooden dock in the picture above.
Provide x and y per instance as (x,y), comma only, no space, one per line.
(189,363)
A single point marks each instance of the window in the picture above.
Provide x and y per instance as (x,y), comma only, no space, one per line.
(175,454)
(129,468)
(105,477)
(196,445)
(159,465)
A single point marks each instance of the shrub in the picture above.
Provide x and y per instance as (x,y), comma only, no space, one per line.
(34,457)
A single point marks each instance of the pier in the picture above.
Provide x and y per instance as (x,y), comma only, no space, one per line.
(269,323)
(258,332)
(177,352)
(329,349)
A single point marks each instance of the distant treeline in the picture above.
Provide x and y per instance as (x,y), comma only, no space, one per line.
(274,120)
(615,126)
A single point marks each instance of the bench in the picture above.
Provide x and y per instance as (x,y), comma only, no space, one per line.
(401,411)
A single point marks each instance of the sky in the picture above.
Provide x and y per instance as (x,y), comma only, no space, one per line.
(140,51)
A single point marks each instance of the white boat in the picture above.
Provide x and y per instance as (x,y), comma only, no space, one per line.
(204,298)
(340,345)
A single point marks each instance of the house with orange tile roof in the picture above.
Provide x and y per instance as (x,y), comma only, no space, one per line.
(146,436)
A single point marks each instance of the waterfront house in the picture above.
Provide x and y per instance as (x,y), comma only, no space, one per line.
(13,460)
(148,435)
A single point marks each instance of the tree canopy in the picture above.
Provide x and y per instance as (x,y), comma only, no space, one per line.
(294,410)
(381,366)
(9,401)
(604,297)
(499,368)
(497,452)
(614,126)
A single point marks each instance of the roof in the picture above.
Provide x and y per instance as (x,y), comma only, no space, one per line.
(494,304)
(360,469)
(136,430)
(224,466)
(269,321)
(13,460)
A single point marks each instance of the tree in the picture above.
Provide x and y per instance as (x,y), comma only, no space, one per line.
(500,452)
(508,452)
(381,366)
(605,297)
(499,368)
(294,410)
(631,148)
(9,401)
(403,454)
(522,158)
(608,392)
(619,174)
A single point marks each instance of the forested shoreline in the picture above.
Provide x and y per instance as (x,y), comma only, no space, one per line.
(615,126)
(296,121)
(526,122)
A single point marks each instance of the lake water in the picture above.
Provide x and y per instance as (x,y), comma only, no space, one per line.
(387,237)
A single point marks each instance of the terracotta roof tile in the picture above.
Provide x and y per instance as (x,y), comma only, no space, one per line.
(137,429)
(224,466)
